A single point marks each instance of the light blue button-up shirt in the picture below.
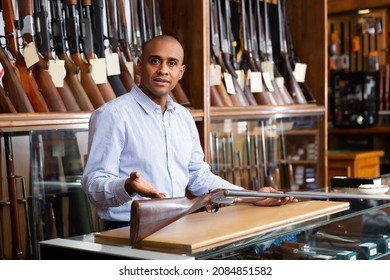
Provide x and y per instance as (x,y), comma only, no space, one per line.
(131,133)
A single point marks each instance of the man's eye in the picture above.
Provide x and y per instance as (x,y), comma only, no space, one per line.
(172,63)
(155,61)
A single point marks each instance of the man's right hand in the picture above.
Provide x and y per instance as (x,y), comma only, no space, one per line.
(135,183)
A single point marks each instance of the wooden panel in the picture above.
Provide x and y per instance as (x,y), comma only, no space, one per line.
(201,231)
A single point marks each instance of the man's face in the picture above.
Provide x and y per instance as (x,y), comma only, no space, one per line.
(161,67)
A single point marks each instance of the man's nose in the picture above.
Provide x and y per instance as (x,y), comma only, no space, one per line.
(163,69)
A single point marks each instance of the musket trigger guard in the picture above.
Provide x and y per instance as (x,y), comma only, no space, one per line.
(212,207)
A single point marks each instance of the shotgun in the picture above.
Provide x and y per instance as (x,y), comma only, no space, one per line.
(238,97)
(85,17)
(72,70)
(97,22)
(13,91)
(263,97)
(40,68)
(36,101)
(73,33)
(151,215)
(279,84)
(285,167)
(231,42)
(218,93)
(125,42)
(135,33)
(43,36)
(291,83)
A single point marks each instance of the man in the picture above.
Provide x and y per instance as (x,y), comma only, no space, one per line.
(142,144)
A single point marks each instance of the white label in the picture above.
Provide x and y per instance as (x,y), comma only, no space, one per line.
(215,74)
(267,81)
(30,54)
(280,82)
(256,82)
(268,66)
(300,72)
(241,78)
(99,70)
(130,67)
(57,71)
(112,62)
(229,83)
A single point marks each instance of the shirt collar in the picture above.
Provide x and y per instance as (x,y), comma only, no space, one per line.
(148,105)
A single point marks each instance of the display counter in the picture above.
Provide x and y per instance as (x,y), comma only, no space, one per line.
(338,229)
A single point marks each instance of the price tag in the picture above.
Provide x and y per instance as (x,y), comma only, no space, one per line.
(229,83)
(268,67)
(112,62)
(130,67)
(256,83)
(280,82)
(267,81)
(300,72)
(215,74)
(241,78)
(99,70)
(30,54)
(57,71)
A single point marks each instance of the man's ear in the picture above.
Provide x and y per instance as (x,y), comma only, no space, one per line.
(139,62)
(182,70)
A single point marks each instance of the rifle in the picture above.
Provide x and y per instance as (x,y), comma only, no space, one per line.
(43,43)
(238,97)
(291,83)
(73,33)
(72,70)
(279,87)
(263,97)
(125,41)
(85,14)
(27,86)
(97,22)
(151,215)
(13,92)
(231,45)
(218,94)
(40,68)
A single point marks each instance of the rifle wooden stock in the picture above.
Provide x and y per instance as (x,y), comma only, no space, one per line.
(87,81)
(215,99)
(180,95)
(74,83)
(13,89)
(6,105)
(224,96)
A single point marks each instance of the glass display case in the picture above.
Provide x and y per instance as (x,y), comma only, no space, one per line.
(271,148)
